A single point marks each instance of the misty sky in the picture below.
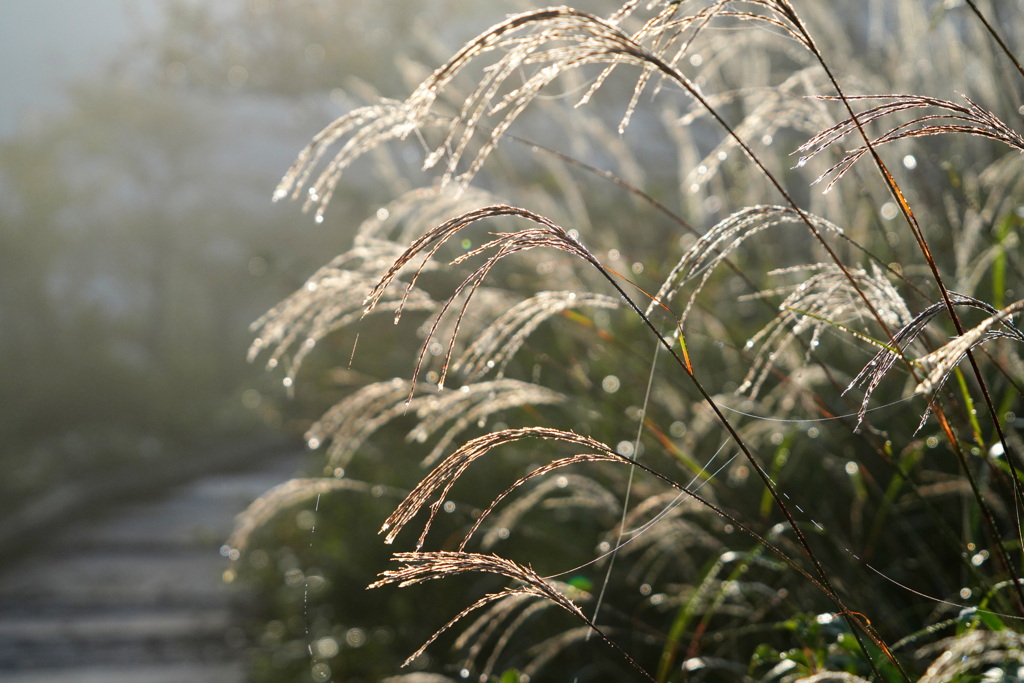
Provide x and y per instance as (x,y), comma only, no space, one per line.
(46,43)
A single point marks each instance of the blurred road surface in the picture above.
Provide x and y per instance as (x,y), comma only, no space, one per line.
(134,593)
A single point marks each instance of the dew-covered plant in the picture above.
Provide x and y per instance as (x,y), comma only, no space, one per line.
(719,359)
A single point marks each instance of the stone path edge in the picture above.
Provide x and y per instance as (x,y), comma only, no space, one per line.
(23,529)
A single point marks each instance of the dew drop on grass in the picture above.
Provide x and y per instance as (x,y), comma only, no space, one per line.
(625,448)
(449,506)
(851,468)
(910,162)
(611,384)
(294,577)
(355,637)
(313,443)
(319,218)
(305,520)
(965,593)
(326,647)
(287,381)
(767,140)
(382,214)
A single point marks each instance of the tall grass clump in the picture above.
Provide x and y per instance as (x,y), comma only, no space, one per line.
(704,331)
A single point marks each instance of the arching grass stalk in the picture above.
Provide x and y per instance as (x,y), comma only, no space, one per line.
(548,234)
(922,243)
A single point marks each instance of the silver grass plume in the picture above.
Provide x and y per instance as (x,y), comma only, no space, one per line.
(350,422)
(500,623)
(472,404)
(543,652)
(439,482)
(416,211)
(334,296)
(535,48)
(331,299)
(831,677)
(420,677)
(568,490)
(495,346)
(284,497)
(419,567)
(660,531)
(490,625)
(974,654)
(541,233)
(825,300)
(952,117)
(773,109)
(942,360)
(714,246)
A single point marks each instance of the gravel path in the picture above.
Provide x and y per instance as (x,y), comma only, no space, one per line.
(134,593)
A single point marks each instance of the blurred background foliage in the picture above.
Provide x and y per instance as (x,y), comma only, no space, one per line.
(139,240)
